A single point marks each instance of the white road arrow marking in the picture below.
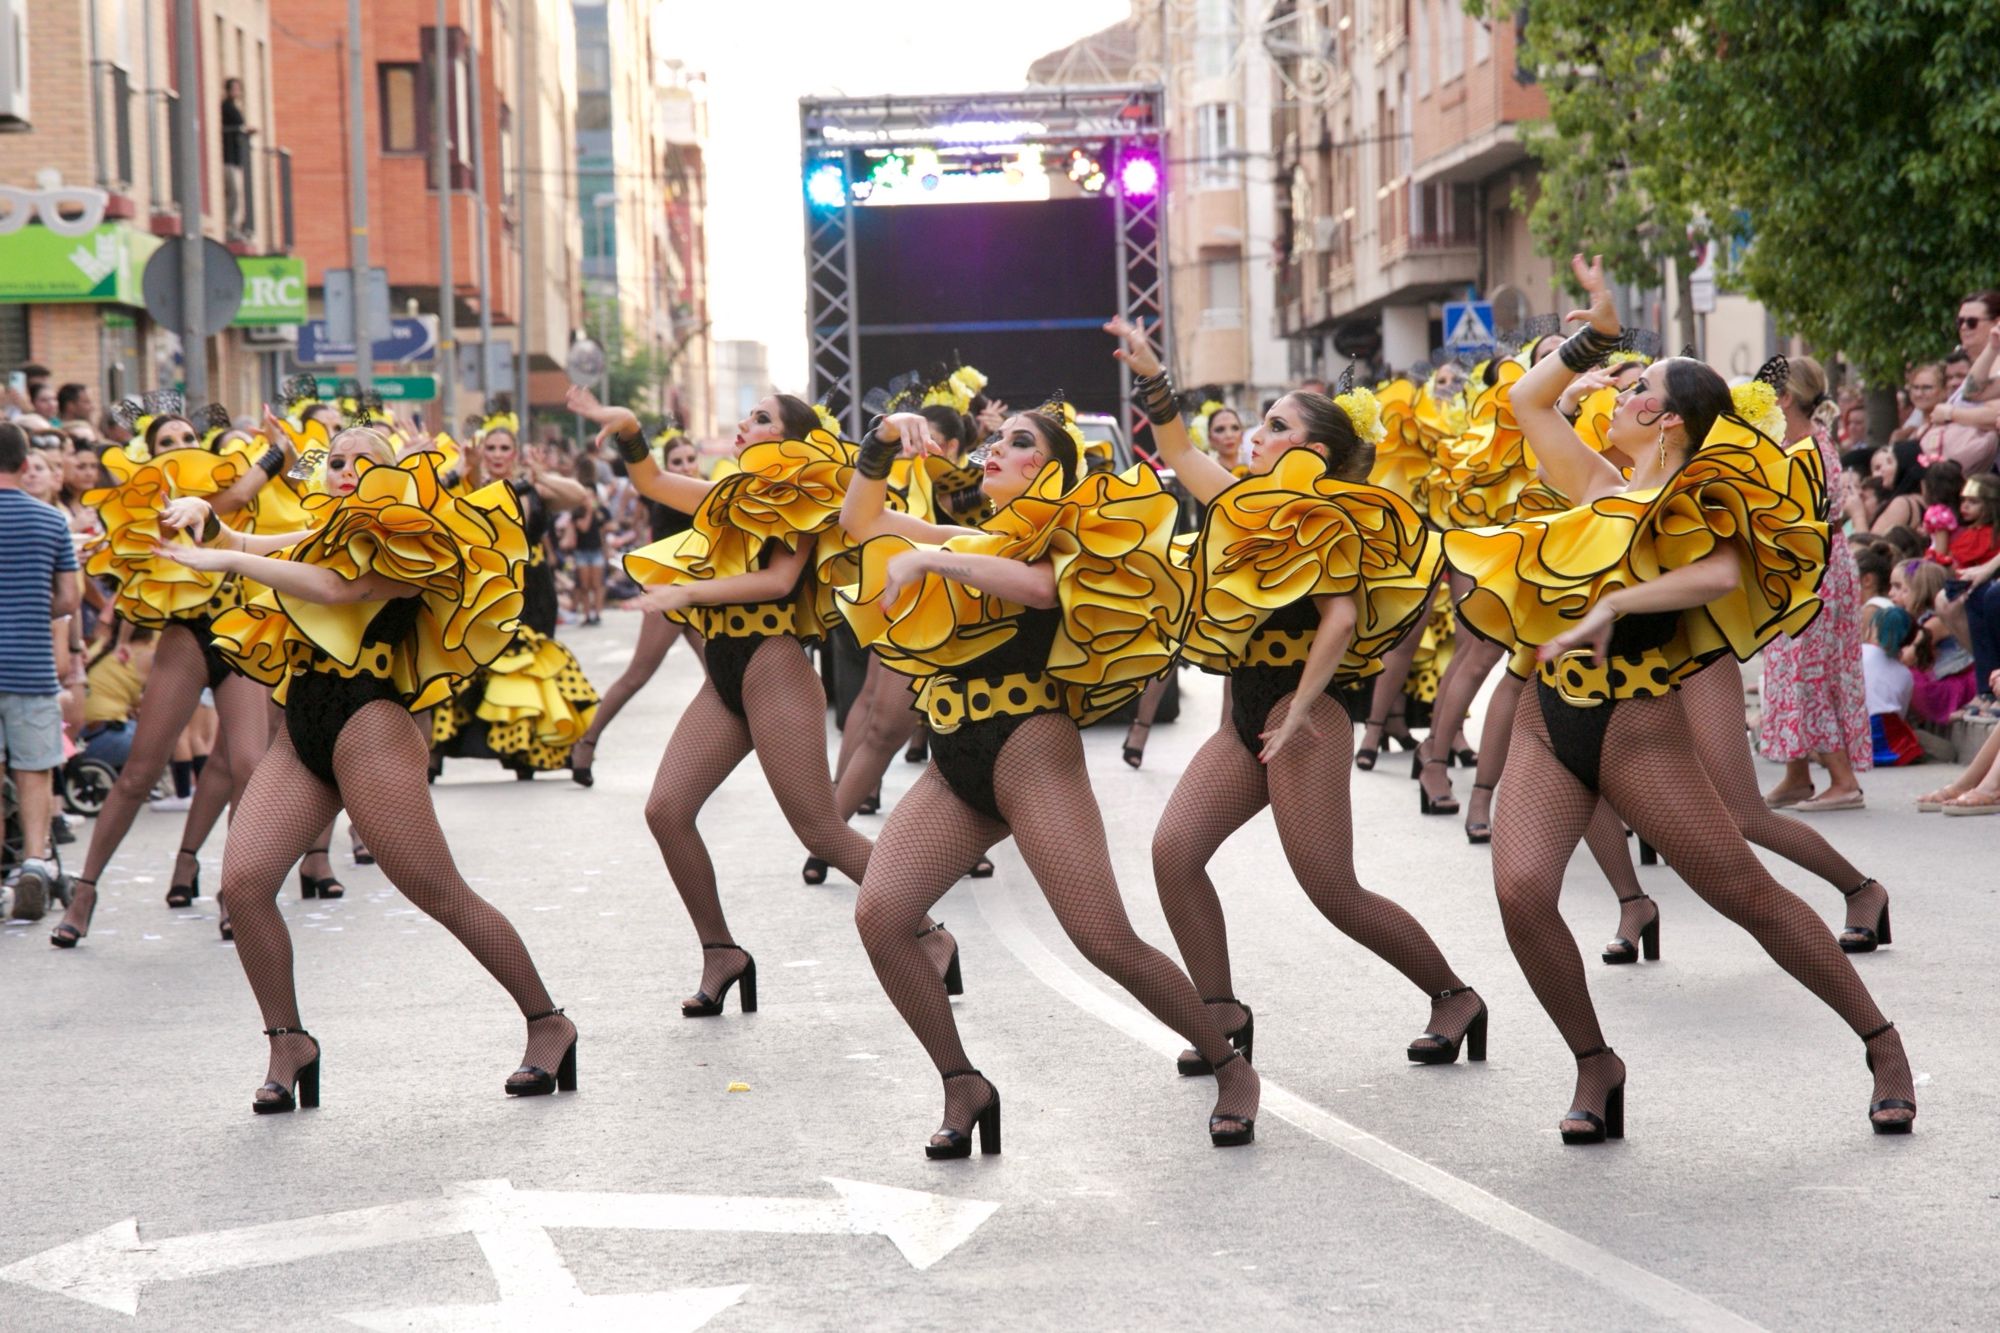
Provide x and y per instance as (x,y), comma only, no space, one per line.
(111,1267)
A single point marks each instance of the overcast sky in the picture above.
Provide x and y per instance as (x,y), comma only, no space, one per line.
(762,56)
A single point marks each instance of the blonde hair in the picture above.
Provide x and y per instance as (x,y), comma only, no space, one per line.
(377,443)
(1806,385)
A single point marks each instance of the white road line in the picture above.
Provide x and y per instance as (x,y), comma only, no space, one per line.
(1624,1279)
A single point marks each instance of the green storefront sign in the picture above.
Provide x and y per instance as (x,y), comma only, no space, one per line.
(406,388)
(274,291)
(103,264)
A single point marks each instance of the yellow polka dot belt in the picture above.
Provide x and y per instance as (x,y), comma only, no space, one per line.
(950,702)
(1277,648)
(376,660)
(1582,683)
(752,620)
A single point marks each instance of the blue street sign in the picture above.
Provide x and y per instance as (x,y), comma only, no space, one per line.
(1468,326)
(408,340)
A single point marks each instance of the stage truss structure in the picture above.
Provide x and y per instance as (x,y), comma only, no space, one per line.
(1126,117)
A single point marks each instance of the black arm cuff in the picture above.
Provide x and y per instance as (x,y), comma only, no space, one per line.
(632,448)
(272,462)
(1586,347)
(1156,398)
(875,457)
(211,528)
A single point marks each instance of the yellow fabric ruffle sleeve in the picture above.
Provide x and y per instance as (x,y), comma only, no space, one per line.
(1123,598)
(153,591)
(1294,533)
(1490,467)
(465,556)
(1402,463)
(786,491)
(1536,577)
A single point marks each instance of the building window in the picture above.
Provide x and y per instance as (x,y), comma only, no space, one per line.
(1215,38)
(402,127)
(1222,292)
(1482,41)
(1451,41)
(1420,47)
(1215,146)
(507,181)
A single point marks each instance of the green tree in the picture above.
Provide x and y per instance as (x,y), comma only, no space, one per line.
(1851,147)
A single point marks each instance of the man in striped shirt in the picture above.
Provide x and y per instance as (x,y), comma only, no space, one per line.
(38,585)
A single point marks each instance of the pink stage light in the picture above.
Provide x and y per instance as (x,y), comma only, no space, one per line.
(1139,176)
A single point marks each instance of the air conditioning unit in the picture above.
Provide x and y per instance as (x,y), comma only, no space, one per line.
(13,66)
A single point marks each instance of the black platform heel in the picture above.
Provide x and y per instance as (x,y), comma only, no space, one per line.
(305,1080)
(1135,755)
(313,887)
(981,869)
(1473,1038)
(1610,1125)
(1467,758)
(1244,1039)
(1887,1103)
(1365,755)
(65,936)
(540,1083)
(705,1006)
(1863,939)
(1481,833)
(1426,803)
(1649,855)
(1622,950)
(581,774)
(1232,1138)
(919,749)
(814,871)
(871,804)
(182,895)
(959,1143)
(954,980)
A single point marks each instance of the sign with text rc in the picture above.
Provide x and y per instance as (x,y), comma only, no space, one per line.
(274,291)
(1468,325)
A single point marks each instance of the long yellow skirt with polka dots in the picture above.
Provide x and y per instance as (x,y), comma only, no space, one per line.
(526,709)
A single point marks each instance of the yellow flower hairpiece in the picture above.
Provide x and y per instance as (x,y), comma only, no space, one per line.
(1197,429)
(1757,403)
(506,421)
(957,390)
(827,420)
(1364,413)
(1628,356)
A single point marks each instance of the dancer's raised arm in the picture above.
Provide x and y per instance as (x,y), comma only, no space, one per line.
(620,427)
(1570,465)
(1203,477)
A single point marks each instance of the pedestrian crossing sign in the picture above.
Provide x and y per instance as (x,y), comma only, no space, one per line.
(1468,326)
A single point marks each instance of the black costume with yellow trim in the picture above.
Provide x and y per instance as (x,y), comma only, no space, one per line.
(981,665)
(155,592)
(1535,578)
(784,493)
(532,702)
(1271,546)
(326,662)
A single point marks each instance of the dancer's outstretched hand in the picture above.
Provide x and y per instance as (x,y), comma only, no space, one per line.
(912,430)
(187,514)
(1137,351)
(667,600)
(206,558)
(1602,311)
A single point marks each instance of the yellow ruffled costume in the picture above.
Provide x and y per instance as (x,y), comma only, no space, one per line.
(153,591)
(465,556)
(785,492)
(1122,598)
(1295,533)
(1490,466)
(1402,463)
(1535,578)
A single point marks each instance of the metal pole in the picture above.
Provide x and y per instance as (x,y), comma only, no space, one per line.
(479,241)
(523,115)
(97,99)
(443,85)
(187,73)
(357,188)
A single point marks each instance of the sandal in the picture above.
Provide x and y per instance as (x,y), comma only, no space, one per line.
(580,773)
(1135,755)
(1366,754)
(312,886)
(1480,831)
(1866,939)
(65,936)
(179,894)
(1974,802)
(814,871)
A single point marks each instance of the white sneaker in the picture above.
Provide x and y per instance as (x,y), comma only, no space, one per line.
(167,805)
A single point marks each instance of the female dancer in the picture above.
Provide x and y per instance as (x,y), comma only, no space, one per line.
(1051,614)
(657,634)
(1717,542)
(1304,575)
(742,577)
(531,704)
(370,617)
(181,603)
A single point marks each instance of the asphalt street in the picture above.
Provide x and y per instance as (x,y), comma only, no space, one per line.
(766,1172)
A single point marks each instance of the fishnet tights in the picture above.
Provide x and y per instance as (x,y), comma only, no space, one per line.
(1653,778)
(172,693)
(1044,792)
(657,635)
(1223,787)
(1387,701)
(878,727)
(379,762)
(786,728)
(1471,662)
